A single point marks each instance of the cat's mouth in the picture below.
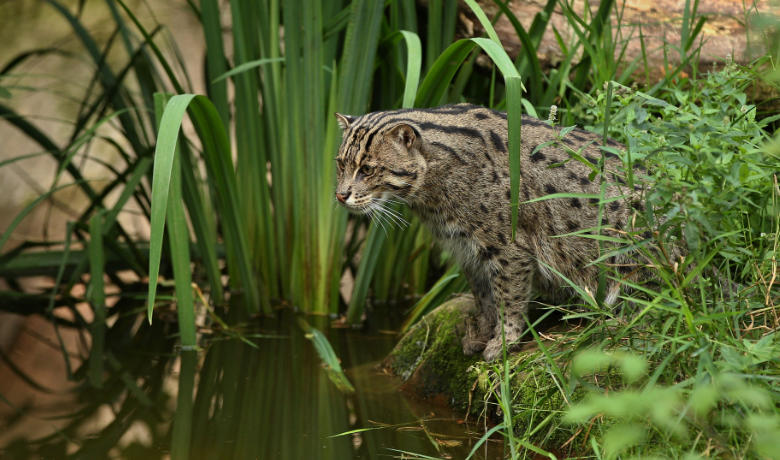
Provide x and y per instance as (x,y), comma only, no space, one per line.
(380,209)
(356,209)
(360,207)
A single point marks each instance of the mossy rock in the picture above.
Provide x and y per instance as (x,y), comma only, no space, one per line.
(430,360)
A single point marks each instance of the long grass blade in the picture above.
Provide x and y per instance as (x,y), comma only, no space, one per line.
(210,129)
(203,223)
(179,243)
(217,156)
(424,304)
(245,67)
(181,436)
(97,296)
(216,63)
(514,91)
(439,75)
(359,51)
(371,251)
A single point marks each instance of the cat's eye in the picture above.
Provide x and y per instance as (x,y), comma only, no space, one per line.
(366,170)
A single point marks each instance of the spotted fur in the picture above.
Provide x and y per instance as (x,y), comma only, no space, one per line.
(450,165)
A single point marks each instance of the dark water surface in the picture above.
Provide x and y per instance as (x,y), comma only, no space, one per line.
(268,401)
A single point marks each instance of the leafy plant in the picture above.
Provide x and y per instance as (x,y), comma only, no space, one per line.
(684,363)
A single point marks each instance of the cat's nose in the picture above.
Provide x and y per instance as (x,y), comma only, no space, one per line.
(343,196)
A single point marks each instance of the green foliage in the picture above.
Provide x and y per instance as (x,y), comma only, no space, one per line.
(707,412)
(290,217)
(686,363)
(590,361)
(115,113)
(711,175)
(97,296)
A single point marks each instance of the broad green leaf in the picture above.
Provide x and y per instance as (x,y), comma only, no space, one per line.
(164,153)
(413,64)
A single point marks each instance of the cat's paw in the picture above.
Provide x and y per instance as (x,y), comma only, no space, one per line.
(495,346)
(474,337)
(493,349)
(472,345)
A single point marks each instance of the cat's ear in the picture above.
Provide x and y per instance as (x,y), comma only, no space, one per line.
(345,121)
(404,134)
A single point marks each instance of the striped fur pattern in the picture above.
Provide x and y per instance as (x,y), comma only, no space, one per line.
(450,165)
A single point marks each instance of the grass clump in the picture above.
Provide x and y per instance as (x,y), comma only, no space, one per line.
(685,365)
(430,356)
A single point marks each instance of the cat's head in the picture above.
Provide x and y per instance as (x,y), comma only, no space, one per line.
(379,161)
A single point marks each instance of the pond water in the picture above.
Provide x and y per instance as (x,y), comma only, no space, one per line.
(256,391)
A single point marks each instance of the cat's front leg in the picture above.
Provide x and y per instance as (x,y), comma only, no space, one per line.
(512,293)
(480,327)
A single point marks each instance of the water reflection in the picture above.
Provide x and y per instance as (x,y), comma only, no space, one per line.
(236,401)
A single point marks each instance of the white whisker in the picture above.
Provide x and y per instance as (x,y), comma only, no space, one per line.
(386,218)
(397,217)
(392,200)
(376,217)
(391,216)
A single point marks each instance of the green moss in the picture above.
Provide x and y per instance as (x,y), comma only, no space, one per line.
(430,360)
(430,357)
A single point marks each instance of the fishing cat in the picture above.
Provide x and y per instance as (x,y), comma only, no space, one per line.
(451,166)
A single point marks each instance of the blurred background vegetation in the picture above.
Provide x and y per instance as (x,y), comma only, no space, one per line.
(234,214)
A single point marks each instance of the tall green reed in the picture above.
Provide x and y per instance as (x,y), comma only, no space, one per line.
(285,144)
(115,112)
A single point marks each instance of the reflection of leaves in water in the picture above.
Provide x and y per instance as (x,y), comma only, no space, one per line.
(332,364)
(136,364)
(238,401)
